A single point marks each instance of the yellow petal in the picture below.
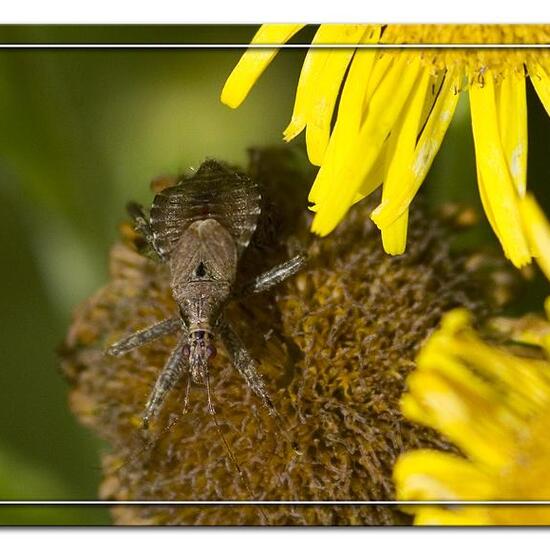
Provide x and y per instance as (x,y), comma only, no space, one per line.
(346,130)
(434,91)
(499,188)
(524,381)
(486,203)
(447,395)
(322,97)
(383,110)
(512,114)
(383,64)
(538,232)
(456,321)
(467,411)
(321,76)
(401,146)
(375,177)
(541,82)
(459,516)
(428,144)
(434,475)
(394,237)
(254,62)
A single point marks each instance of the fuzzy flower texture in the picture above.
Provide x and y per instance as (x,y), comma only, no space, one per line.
(394,109)
(335,345)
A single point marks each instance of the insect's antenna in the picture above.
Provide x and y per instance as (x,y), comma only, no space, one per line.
(212,412)
(163,433)
(283,427)
(148,445)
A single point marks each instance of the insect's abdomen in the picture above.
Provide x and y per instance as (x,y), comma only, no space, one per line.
(214,191)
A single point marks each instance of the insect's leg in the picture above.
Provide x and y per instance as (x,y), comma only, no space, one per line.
(245,364)
(141,223)
(171,373)
(148,442)
(274,276)
(141,337)
(186,398)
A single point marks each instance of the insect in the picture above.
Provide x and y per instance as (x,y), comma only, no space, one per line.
(200,228)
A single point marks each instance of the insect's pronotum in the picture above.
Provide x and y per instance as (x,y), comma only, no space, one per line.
(200,228)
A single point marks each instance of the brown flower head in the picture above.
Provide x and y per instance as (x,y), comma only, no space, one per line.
(335,345)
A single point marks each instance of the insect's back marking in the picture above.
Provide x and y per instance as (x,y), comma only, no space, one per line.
(214,191)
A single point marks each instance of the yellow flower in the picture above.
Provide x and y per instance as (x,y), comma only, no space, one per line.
(394,109)
(495,407)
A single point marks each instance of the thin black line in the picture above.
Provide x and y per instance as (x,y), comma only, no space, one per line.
(274,502)
(128,46)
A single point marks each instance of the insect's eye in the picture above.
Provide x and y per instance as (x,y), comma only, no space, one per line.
(186,351)
(210,351)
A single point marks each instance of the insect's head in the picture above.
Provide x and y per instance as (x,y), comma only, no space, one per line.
(199,351)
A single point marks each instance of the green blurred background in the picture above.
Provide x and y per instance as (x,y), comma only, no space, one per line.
(81,133)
